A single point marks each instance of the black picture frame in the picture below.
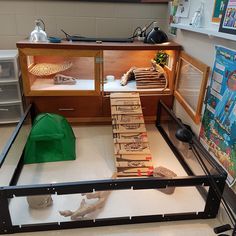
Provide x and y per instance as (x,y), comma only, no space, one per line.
(228,20)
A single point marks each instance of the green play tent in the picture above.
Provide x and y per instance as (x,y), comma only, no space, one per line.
(51,139)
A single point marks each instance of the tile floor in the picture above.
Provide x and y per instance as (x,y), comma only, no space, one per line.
(5,133)
(190,228)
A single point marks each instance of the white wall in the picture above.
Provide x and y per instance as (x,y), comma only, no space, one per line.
(75,17)
(199,46)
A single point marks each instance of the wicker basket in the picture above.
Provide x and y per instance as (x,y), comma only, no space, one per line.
(47,69)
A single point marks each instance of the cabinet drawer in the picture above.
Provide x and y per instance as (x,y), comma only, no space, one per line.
(9,92)
(10,113)
(70,106)
(106,107)
(7,70)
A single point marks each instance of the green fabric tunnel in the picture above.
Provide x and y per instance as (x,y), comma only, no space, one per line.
(51,139)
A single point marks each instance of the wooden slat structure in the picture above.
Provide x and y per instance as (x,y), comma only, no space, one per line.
(149,78)
(131,147)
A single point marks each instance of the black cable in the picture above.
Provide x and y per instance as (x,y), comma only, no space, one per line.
(142,30)
(44,28)
(218,194)
(234,231)
(135,35)
(69,37)
(147,27)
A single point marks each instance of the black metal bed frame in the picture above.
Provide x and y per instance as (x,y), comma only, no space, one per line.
(210,210)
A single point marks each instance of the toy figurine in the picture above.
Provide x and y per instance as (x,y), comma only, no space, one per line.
(39,201)
(85,208)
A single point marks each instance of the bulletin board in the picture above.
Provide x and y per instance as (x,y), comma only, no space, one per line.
(218,130)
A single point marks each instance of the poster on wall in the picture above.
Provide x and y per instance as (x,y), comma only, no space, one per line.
(218,10)
(218,130)
(172,18)
(228,20)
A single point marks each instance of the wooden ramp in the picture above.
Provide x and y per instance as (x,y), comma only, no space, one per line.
(131,147)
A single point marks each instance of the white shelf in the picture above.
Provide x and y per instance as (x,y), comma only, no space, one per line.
(8,81)
(9,54)
(208,31)
(9,121)
(11,102)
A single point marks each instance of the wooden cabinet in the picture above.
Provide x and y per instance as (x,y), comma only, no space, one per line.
(88,64)
(40,67)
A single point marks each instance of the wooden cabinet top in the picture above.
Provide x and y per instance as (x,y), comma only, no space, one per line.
(100,46)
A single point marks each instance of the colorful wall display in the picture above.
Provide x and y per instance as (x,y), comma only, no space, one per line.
(173,6)
(218,10)
(218,130)
(228,20)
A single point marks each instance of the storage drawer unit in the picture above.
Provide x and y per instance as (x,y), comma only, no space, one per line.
(10,113)
(9,65)
(10,92)
(11,107)
(7,70)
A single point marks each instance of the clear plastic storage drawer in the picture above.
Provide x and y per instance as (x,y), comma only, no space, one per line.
(7,70)
(10,113)
(9,92)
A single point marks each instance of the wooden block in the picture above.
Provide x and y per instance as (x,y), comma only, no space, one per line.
(126,110)
(127,119)
(131,157)
(132,175)
(151,83)
(129,128)
(132,164)
(135,171)
(125,102)
(124,95)
(150,86)
(130,137)
(131,148)
(121,174)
